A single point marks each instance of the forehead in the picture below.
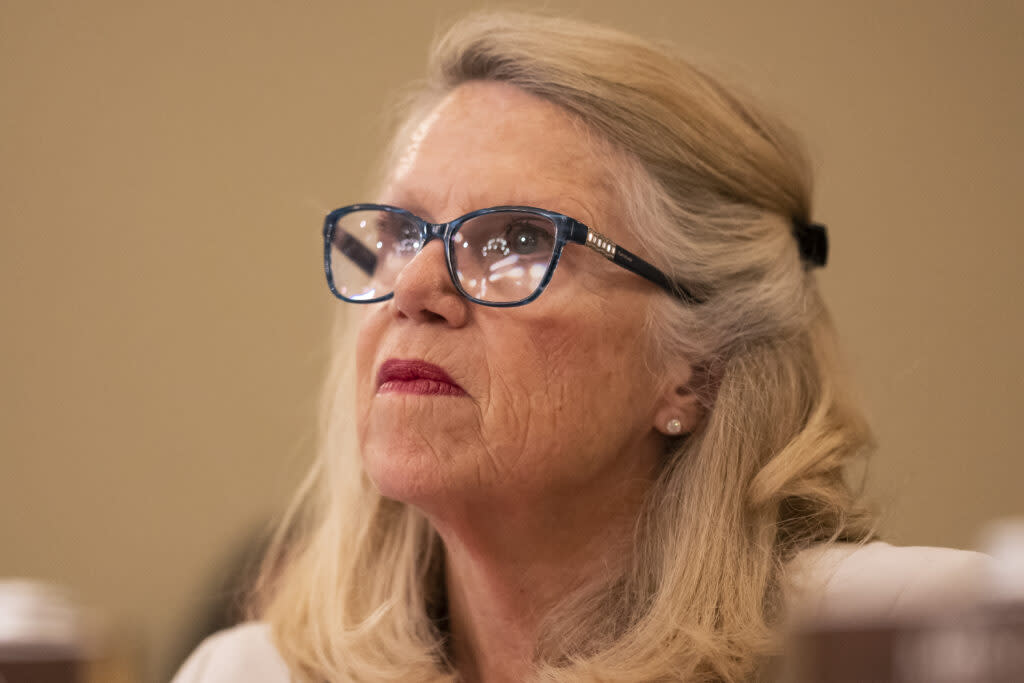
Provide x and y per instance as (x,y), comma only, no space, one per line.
(488,144)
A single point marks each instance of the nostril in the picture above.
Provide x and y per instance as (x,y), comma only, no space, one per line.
(419,312)
(431,316)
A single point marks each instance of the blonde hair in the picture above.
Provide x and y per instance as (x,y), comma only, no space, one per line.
(711,186)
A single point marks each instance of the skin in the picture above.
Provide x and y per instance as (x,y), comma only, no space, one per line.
(533,479)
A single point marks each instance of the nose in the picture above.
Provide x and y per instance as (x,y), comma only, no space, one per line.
(424,291)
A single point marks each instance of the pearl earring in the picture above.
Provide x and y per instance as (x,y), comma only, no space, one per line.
(674,426)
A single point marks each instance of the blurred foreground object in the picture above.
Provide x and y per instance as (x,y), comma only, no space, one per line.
(46,638)
(975,634)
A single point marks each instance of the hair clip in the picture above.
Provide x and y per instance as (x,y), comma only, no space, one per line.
(812,239)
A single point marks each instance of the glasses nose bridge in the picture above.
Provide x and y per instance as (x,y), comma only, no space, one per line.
(435,231)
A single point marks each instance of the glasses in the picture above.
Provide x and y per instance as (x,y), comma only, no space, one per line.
(502,256)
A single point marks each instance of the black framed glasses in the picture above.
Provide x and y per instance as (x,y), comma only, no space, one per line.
(501,256)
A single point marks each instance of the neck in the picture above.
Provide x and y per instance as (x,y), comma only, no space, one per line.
(507,565)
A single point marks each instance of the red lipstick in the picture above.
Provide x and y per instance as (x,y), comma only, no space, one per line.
(415,377)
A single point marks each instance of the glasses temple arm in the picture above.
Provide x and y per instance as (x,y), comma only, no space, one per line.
(634,263)
(631,261)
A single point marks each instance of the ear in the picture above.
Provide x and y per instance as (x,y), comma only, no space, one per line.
(677,402)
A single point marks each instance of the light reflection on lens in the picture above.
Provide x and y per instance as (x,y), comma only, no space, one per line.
(505,262)
(361,296)
(514,273)
(495,244)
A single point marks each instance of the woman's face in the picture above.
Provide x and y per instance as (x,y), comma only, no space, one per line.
(555,398)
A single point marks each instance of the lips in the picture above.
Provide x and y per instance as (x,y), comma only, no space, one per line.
(415,377)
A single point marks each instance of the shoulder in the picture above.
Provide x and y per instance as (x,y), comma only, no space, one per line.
(243,653)
(878,579)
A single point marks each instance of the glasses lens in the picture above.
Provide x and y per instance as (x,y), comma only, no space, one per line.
(368,250)
(502,257)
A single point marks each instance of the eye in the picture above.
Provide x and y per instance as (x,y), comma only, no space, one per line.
(526,238)
(397,234)
(409,241)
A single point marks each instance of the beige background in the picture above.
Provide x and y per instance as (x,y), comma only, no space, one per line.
(166,166)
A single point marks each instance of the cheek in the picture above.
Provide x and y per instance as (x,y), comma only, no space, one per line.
(565,387)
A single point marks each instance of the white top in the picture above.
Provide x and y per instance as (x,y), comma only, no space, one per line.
(876,580)
(240,654)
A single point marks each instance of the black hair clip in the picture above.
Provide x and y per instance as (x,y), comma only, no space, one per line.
(812,239)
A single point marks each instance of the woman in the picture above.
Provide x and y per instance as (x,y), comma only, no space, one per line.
(567,467)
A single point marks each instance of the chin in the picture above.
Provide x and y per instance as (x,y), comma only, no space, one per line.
(413,477)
